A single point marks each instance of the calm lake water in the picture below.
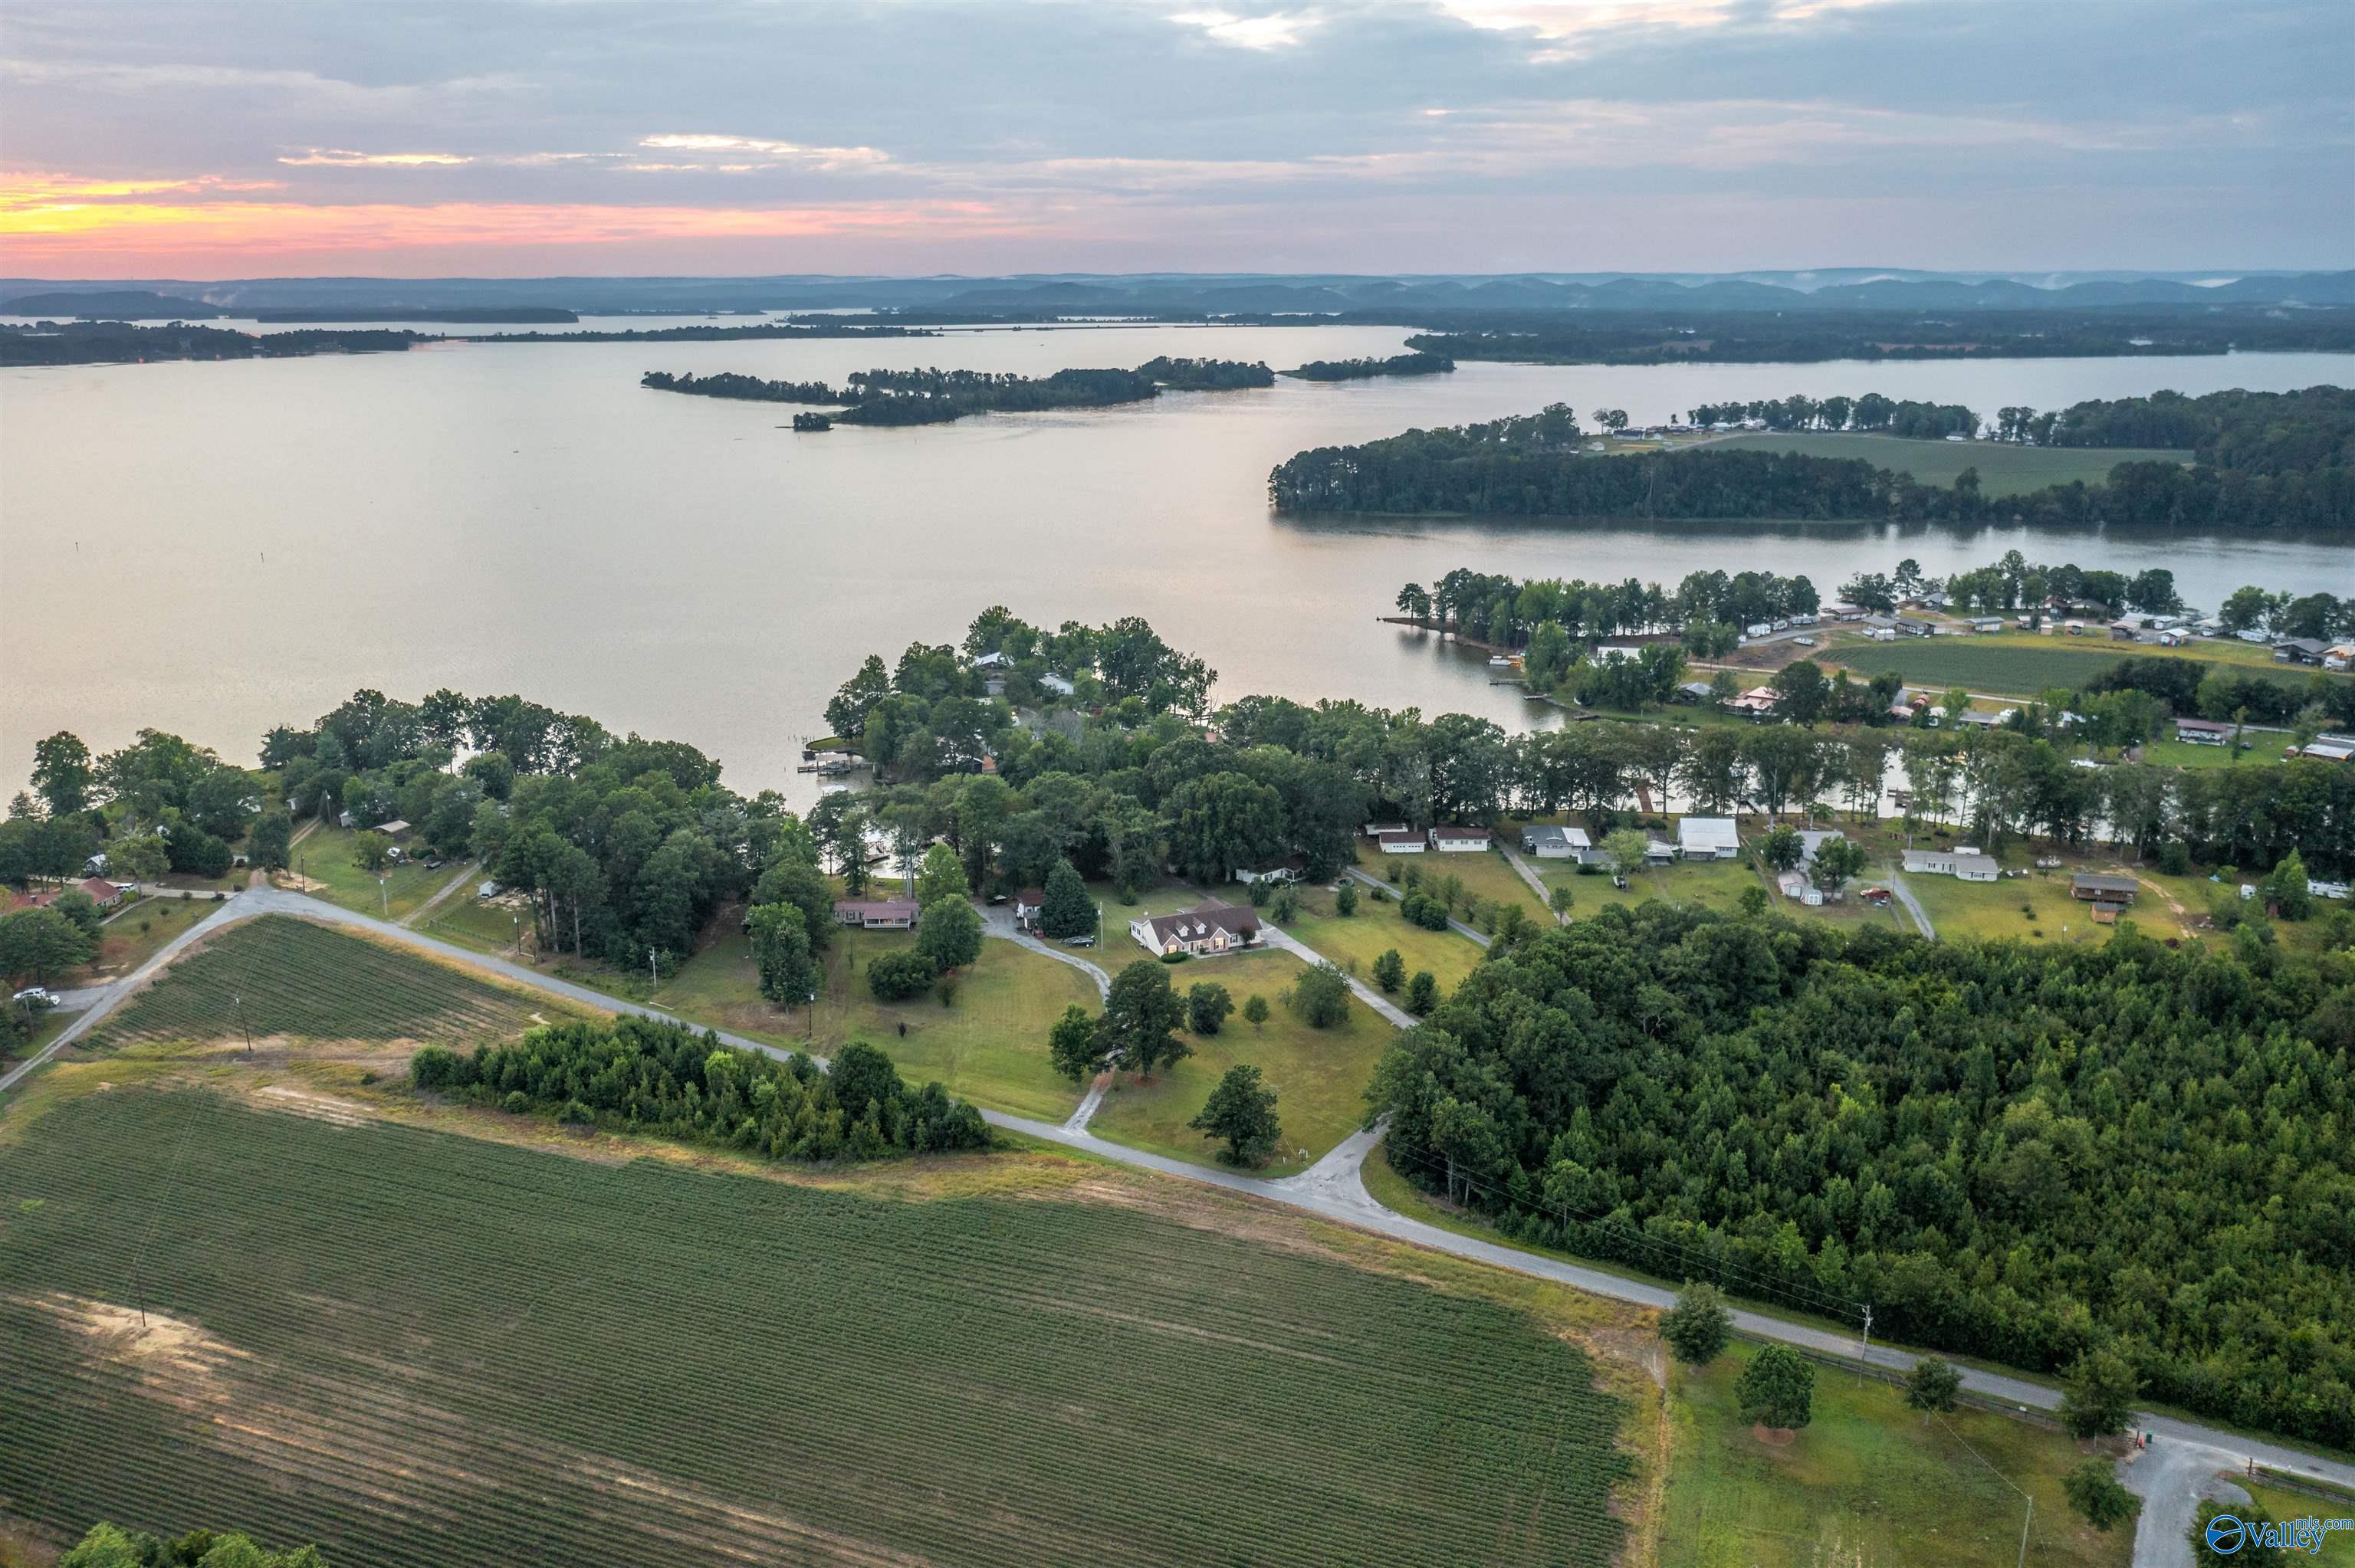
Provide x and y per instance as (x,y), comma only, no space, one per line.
(213,548)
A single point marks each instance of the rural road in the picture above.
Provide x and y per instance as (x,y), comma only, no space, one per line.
(2172,1479)
(1332,1190)
(1000,924)
(466,874)
(1912,905)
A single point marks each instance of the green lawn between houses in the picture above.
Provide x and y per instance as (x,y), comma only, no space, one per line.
(326,858)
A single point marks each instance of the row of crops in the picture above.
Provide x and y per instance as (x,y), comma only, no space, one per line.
(434,1350)
(312,982)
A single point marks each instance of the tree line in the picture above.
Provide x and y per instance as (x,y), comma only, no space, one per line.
(1366,368)
(933,396)
(1872,413)
(1506,612)
(2037,1155)
(2280,463)
(121,342)
(636,1073)
(109,1545)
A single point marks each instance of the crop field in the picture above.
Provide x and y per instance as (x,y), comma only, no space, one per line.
(312,982)
(1868,1484)
(2004,468)
(418,1348)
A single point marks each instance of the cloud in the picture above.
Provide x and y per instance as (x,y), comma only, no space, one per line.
(343,158)
(1269,30)
(773,154)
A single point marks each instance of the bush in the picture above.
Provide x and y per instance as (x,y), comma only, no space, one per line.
(2094,1491)
(1258,895)
(1421,909)
(1255,1010)
(900,977)
(1390,971)
(946,988)
(516,1103)
(1932,1385)
(1177,957)
(1345,900)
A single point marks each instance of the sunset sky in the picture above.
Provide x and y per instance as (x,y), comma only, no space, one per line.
(197,140)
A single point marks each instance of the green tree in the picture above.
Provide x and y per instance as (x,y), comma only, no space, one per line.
(2097,1395)
(1932,1385)
(1255,1010)
(1321,997)
(1560,898)
(2286,888)
(1781,848)
(62,774)
(781,953)
(271,846)
(950,933)
(2247,1543)
(1777,1388)
(1067,910)
(1140,1017)
(1242,1111)
(1220,821)
(795,880)
(1422,992)
(2094,1491)
(1074,1046)
(1345,900)
(1698,1327)
(1800,692)
(1390,970)
(1207,1006)
(1626,848)
(371,851)
(43,944)
(1754,901)
(941,875)
(1837,861)
(81,909)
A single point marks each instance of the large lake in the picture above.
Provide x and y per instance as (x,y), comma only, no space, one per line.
(213,548)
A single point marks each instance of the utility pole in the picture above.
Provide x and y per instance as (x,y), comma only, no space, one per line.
(1865,1354)
(653,971)
(382,896)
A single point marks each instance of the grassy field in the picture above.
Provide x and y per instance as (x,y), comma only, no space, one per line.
(422,1348)
(478,923)
(312,982)
(1714,885)
(2282,1504)
(326,858)
(1487,876)
(2004,468)
(134,936)
(989,1045)
(2011,668)
(1991,910)
(1868,1484)
(1319,1074)
(1355,942)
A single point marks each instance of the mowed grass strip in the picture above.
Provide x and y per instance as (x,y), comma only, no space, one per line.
(424,1348)
(1319,1076)
(1355,941)
(2004,468)
(312,982)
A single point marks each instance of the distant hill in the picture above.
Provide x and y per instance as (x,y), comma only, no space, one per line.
(524,314)
(110,305)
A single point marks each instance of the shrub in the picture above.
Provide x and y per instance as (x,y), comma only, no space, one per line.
(2094,1492)
(900,977)
(516,1103)
(2174,857)
(1177,957)
(1390,971)
(1255,1010)
(1345,900)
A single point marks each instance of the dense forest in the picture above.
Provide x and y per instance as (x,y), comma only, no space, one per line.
(119,343)
(2022,1153)
(1871,414)
(2274,460)
(936,396)
(1365,369)
(715,332)
(637,1074)
(1669,336)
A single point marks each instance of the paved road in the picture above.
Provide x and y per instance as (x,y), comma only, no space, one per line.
(2172,1479)
(1332,1189)
(1527,873)
(999,923)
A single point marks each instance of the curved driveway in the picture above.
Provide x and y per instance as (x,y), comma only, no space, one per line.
(1332,1189)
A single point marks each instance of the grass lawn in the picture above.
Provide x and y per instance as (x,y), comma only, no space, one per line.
(1355,942)
(1714,884)
(482,924)
(2282,1504)
(2263,748)
(1993,910)
(135,935)
(1867,1484)
(2018,667)
(1319,1074)
(2004,468)
(1488,875)
(326,858)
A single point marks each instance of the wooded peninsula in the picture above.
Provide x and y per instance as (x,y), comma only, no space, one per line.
(2264,460)
(932,397)
(1365,369)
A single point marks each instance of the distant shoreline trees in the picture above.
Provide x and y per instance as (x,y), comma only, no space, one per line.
(1365,369)
(931,396)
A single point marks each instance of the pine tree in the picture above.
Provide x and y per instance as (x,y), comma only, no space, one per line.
(1067,910)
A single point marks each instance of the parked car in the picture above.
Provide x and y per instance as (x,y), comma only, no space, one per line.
(1079,941)
(36,997)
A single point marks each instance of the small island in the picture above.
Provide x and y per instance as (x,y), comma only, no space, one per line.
(1365,369)
(807,422)
(934,397)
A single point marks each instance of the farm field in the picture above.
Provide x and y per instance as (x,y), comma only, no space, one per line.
(2015,669)
(1868,1484)
(435,1349)
(1356,941)
(1319,1074)
(2004,468)
(326,858)
(312,982)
